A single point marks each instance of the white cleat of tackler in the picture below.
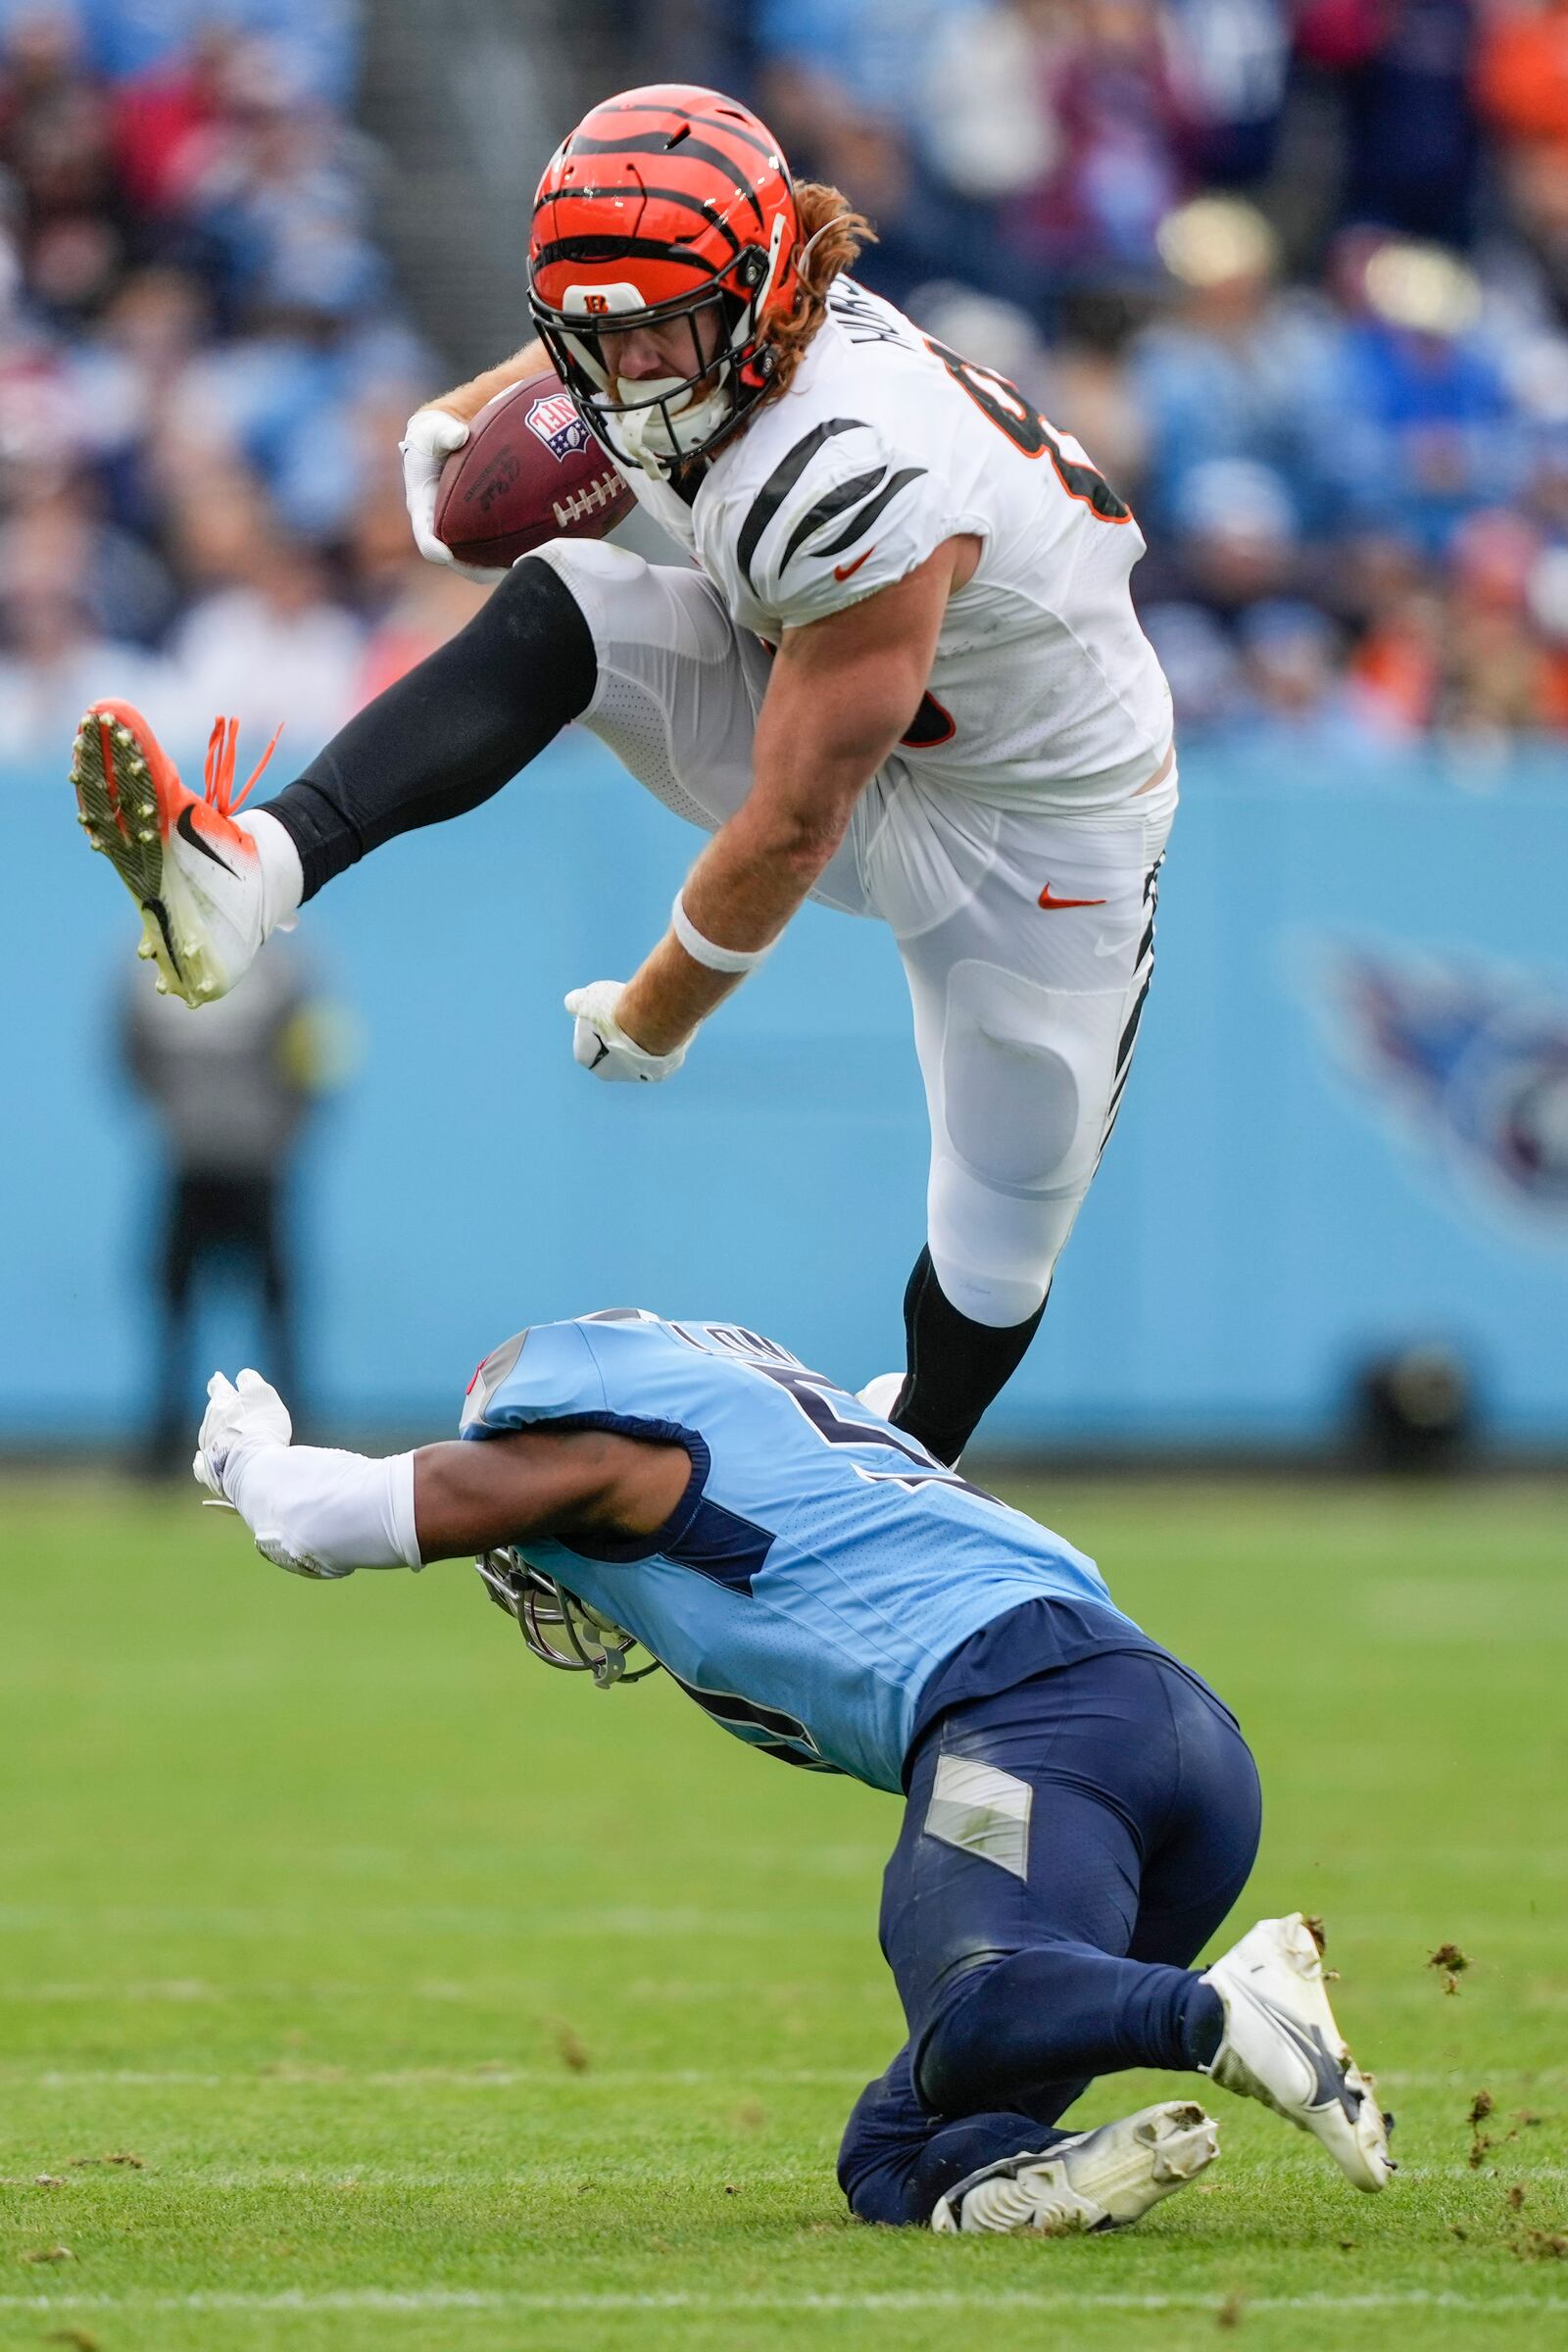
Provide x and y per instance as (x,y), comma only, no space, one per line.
(1099,2180)
(1282,2046)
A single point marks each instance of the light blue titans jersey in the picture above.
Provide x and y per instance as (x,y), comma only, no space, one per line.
(821,1565)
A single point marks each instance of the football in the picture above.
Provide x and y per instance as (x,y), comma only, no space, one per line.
(529,470)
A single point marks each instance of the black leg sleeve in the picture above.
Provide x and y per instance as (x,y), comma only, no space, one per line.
(452,732)
(956,1366)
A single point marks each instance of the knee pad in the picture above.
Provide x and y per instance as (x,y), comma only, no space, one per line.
(995,1268)
(1025,1076)
(592,562)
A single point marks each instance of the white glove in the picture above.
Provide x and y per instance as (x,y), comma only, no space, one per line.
(243,1419)
(601,1045)
(429,438)
(238,1419)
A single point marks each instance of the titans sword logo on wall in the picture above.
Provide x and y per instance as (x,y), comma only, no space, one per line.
(1471,1059)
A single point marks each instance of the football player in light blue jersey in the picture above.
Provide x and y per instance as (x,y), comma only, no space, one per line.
(1080,1811)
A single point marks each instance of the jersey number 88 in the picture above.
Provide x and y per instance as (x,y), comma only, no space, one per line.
(1006,407)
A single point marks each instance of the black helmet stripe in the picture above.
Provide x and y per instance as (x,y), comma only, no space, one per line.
(737,130)
(682,196)
(618,249)
(722,122)
(696,150)
(781,481)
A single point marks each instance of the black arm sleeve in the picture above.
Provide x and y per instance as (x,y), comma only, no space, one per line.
(452,732)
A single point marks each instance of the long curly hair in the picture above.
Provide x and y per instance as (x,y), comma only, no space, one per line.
(832,233)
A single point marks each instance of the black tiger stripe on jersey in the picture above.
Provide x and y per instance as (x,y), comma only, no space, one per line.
(828,509)
(862,523)
(781,481)
(693,150)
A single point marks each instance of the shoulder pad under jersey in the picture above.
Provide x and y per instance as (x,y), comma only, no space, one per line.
(839,515)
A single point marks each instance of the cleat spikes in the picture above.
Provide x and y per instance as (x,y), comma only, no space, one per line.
(200,910)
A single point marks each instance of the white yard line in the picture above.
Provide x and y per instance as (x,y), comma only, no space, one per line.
(426,1919)
(392,2301)
(501,2078)
(617,1919)
(504,2077)
(192,2174)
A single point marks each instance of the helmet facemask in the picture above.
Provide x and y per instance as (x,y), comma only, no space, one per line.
(660,422)
(560,1628)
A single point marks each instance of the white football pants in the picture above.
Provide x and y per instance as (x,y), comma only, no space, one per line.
(1025,1010)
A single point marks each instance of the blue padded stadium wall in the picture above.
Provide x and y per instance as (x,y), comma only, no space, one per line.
(1348,1126)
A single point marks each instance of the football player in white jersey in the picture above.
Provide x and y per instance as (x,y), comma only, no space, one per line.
(899,673)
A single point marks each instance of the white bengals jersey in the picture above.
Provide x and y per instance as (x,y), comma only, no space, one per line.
(1045,690)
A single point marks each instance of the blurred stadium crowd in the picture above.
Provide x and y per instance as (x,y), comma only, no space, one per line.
(203,370)
(1296,270)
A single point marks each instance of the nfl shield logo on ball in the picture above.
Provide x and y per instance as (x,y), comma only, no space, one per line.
(557,425)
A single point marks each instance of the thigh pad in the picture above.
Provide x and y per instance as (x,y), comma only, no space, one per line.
(1026,1076)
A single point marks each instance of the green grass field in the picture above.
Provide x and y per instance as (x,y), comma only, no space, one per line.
(364,1984)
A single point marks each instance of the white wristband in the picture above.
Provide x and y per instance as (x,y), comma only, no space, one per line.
(322,1512)
(705,952)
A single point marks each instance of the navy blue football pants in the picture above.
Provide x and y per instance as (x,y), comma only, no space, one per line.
(1111,1826)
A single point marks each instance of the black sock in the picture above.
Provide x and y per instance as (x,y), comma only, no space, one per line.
(956,1366)
(450,733)
(1203,2024)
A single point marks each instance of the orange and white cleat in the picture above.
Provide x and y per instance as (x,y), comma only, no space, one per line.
(194,873)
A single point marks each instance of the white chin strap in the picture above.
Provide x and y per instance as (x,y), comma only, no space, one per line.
(642,434)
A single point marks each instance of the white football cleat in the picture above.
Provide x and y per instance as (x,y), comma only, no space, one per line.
(194,873)
(881,1394)
(1281,2046)
(1100,2179)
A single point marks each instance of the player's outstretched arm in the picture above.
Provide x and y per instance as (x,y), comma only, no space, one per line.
(320,1512)
(436,431)
(471,1497)
(842,692)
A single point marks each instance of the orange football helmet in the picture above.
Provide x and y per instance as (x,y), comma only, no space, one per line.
(662,204)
